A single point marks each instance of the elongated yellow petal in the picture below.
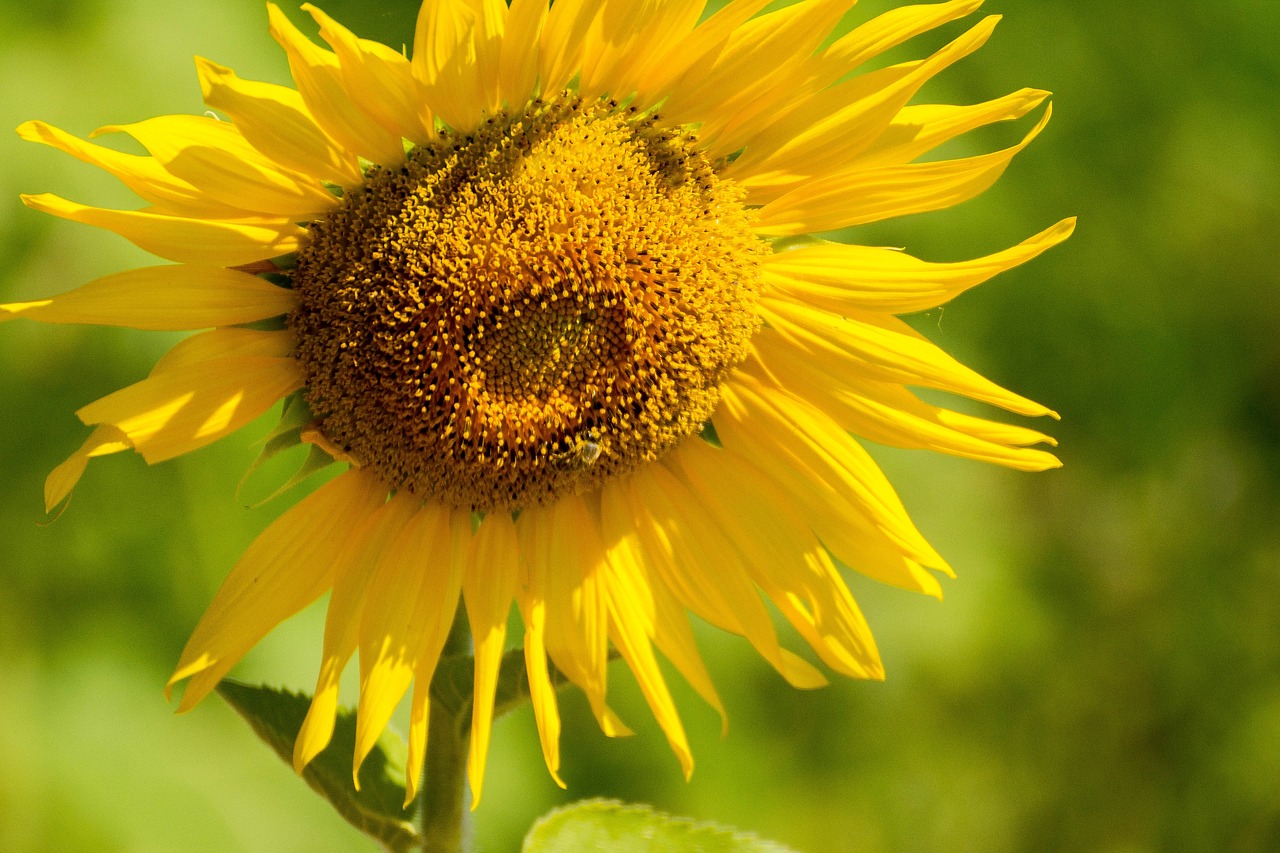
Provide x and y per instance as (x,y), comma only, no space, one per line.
(849,503)
(776,128)
(671,630)
(703,568)
(566,556)
(187,296)
(107,439)
(625,41)
(759,55)
(860,196)
(409,608)
(181,410)
(383,77)
(542,694)
(632,616)
(827,134)
(881,412)
(192,241)
(287,567)
(918,129)
(784,557)
(456,56)
(320,82)
(564,41)
(213,156)
(810,79)
(225,343)
(988,430)
(102,441)
(433,641)
(367,543)
(880,346)
(839,277)
(893,28)
(275,120)
(488,587)
(818,443)
(143,175)
(694,54)
(518,61)
(611,27)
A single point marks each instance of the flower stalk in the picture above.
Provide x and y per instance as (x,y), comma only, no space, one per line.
(445,818)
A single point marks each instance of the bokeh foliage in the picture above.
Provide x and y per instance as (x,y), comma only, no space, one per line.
(1103,676)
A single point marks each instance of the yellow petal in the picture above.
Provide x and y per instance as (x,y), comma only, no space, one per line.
(212,156)
(811,78)
(518,60)
(389,91)
(183,409)
(61,480)
(320,82)
(542,694)
(860,196)
(827,133)
(564,41)
(456,56)
(696,52)
(671,630)
(457,548)
(759,55)
(880,346)
(613,26)
(625,41)
(108,439)
(891,29)
(1000,433)
(784,557)
(880,412)
(225,343)
(410,606)
(566,556)
(919,129)
(632,615)
(143,175)
(839,277)
(703,568)
(768,132)
(276,121)
(360,556)
(488,587)
(849,503)
(162,298)
(287,567)
(192,241)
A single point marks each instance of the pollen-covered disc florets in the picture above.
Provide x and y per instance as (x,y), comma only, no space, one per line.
(527,309)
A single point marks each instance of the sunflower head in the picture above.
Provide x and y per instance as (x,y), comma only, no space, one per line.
(528,309)
(537,291)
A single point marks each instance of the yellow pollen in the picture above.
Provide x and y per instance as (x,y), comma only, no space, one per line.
(529,309)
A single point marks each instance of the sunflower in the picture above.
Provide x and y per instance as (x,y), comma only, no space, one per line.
(547,293)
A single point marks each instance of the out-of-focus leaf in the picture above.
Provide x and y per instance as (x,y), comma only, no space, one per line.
(375,809)
(620,828)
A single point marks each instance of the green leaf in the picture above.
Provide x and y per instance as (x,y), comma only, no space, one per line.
(621,828)
(287,434)
(375,809)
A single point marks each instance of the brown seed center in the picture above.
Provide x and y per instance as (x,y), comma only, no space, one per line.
(527,310)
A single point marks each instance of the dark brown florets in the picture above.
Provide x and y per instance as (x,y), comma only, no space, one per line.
(527,309)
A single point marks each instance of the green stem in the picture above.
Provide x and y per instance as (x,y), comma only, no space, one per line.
(446,820)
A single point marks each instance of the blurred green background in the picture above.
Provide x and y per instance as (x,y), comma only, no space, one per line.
(1103,676)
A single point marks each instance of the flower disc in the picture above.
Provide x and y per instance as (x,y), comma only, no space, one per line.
(526,310)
